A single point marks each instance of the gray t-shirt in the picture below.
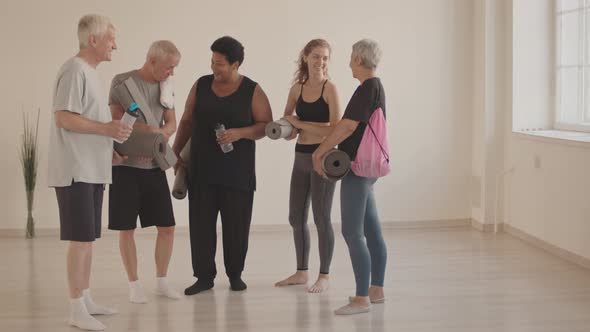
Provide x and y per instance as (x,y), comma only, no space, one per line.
(151,94)
(74,156)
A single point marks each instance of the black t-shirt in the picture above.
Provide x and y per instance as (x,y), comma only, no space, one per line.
(368,97)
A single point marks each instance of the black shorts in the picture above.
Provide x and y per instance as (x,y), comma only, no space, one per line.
(80,211)
(139,192)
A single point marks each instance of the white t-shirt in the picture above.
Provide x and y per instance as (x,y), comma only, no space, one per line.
(74,156)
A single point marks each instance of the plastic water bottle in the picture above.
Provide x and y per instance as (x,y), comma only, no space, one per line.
(131,114)
(220,129)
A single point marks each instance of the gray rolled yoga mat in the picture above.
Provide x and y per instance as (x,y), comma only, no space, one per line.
(278,129)
(336,164)
(148,144)
(180,182)
(123,96)
(141,142)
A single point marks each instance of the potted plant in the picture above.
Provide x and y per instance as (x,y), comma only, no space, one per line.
(29,161)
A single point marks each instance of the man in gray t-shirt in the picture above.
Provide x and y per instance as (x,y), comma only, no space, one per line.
(80,158)
(139,187)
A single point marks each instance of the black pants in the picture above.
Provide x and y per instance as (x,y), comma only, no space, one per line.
(235,206)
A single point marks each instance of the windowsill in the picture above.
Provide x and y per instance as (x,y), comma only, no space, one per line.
(563,137)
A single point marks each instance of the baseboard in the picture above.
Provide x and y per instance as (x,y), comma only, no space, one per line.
(20,233)
(485,228)
(442,223)
(256,228)
(544,245)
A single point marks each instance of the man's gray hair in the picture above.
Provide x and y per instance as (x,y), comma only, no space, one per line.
(92,25)
(368,51)
(160,49)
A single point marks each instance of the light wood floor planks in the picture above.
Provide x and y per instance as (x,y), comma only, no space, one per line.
(446,279)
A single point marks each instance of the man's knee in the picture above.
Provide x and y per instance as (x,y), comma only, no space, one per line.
(166,231)
(81,246)
(127,235)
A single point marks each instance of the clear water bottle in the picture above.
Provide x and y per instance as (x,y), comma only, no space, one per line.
(131,114)
(220,129)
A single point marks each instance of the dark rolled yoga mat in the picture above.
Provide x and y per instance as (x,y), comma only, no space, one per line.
(180,181)
(336,164)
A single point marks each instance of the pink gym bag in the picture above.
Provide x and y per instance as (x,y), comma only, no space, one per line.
(372,157)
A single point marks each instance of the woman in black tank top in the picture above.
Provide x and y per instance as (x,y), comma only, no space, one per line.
(314,100)
(222,182)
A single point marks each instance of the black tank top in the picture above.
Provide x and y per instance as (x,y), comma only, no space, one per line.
(209,165)
(318,111)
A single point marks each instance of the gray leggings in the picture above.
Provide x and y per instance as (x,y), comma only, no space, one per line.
(306,184)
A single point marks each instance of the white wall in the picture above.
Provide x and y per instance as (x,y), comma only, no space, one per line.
(478,124)
(426,71)
(534,60)
(489,108)
(549,202)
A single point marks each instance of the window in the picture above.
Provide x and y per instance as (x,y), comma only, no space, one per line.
(573,65)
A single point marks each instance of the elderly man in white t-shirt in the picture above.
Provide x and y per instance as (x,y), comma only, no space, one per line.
(80,158)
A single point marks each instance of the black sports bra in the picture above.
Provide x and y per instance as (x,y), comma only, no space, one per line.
(317,111)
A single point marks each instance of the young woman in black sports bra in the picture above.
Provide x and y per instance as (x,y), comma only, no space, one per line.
(314,100)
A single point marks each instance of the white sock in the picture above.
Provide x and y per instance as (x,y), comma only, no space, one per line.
(80,317)
(164,289)
(136,293)
(93,308)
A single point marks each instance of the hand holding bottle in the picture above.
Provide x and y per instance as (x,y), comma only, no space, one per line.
(224,138)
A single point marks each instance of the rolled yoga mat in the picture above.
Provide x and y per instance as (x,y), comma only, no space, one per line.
(141,142)
(180,182)
(122,95)
(336,164)
(148,144)
(278,129)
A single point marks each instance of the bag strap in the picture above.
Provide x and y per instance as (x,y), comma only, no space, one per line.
(143,105)
(377,139)
(370,127)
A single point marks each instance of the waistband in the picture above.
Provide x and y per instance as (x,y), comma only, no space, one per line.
(306,148)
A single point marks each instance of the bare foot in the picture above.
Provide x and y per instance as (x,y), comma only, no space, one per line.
(320,285)
(299,278)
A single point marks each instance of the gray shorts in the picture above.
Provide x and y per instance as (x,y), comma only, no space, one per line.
(80,211)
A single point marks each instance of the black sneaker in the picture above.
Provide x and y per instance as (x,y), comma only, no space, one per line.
(199,286)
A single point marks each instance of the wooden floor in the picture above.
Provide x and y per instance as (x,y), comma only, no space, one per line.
(449,279)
